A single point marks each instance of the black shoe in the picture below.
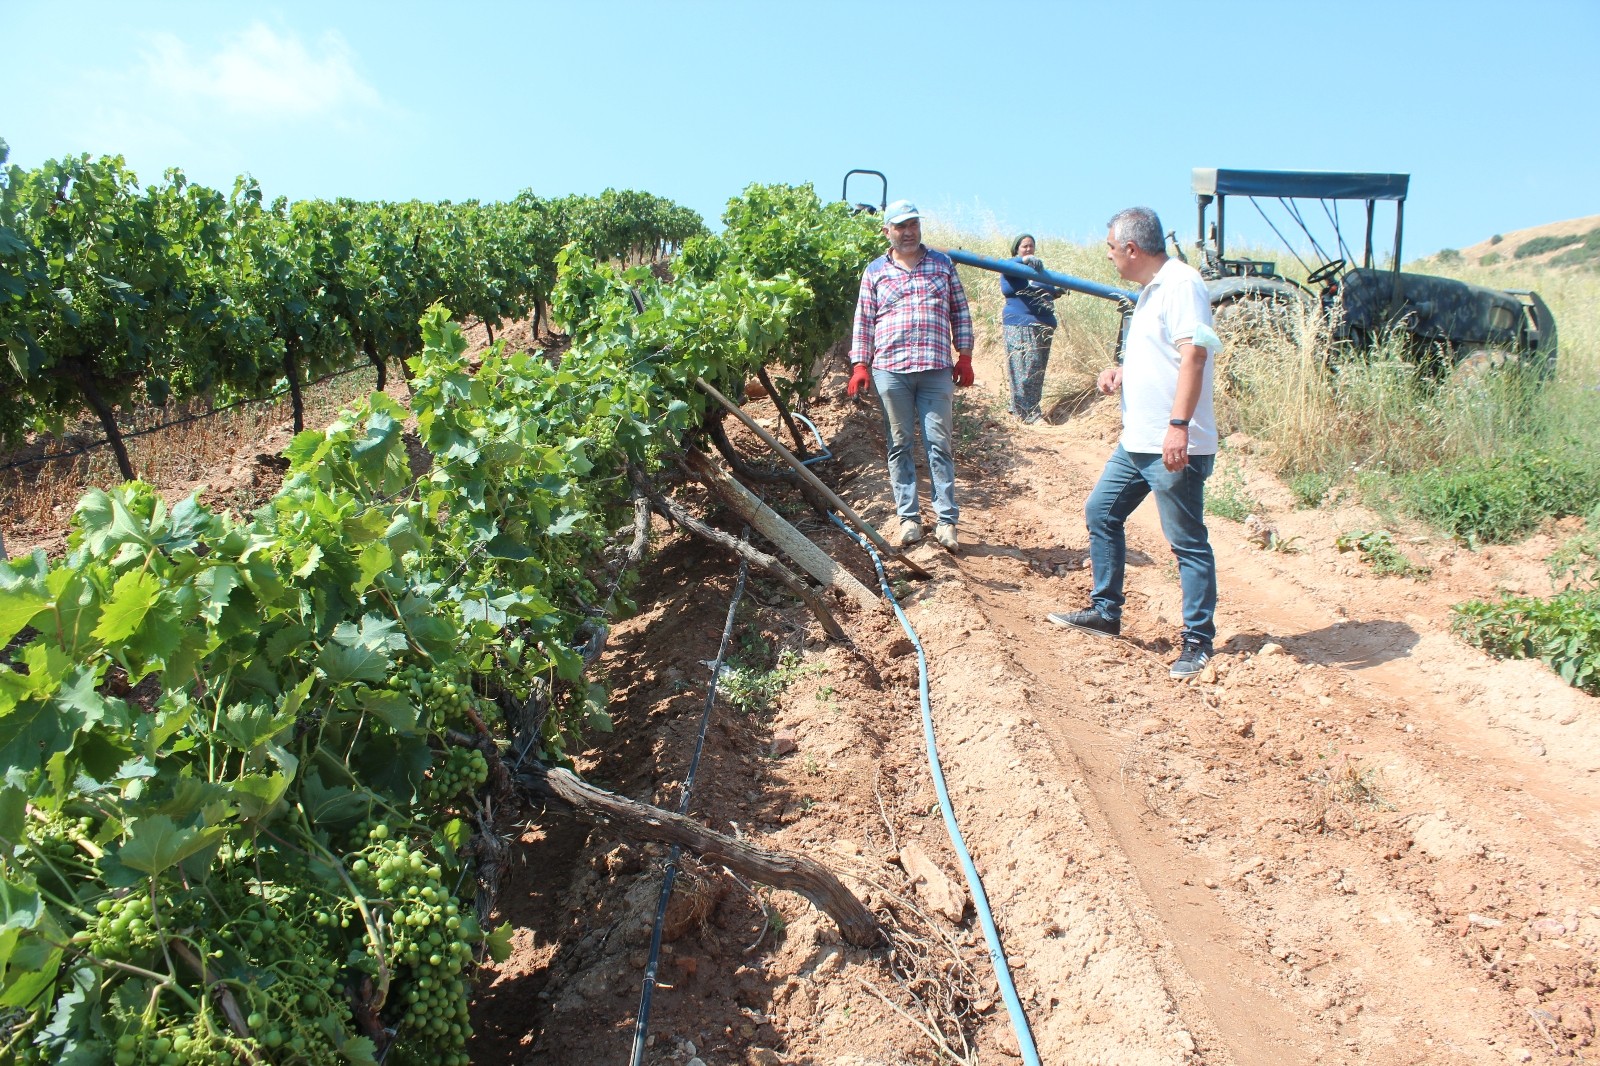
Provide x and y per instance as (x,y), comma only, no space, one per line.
(1196,653)
(1089,621)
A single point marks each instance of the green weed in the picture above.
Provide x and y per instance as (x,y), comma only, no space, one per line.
(1227,496)
(1562,631)
(1377,549)
(1506,497)
(1310,488)
(754,690)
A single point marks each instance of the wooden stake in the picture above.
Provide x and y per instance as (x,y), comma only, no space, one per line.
(789,540)
(811,479)
(640,821)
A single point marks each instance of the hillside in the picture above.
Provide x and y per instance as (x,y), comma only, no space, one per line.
(1573,242)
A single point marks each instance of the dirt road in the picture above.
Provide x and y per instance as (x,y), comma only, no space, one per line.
(1356,841)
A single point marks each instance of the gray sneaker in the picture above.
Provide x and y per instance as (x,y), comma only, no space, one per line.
(1192,660)
(1089,621)
(945,534)
(910,532)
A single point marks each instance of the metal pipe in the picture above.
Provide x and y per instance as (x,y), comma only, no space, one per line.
(1366,258)
(1042,277)
(1397,297)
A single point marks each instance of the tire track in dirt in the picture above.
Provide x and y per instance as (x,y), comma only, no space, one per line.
(1351,919)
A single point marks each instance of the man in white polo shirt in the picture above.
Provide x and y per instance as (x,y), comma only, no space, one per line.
(1169,438)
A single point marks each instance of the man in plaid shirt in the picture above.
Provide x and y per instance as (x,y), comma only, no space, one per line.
(911,313)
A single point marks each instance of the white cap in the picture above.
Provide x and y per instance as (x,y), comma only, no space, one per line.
(901,211)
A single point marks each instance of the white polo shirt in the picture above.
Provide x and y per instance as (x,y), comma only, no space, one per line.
(1173,308)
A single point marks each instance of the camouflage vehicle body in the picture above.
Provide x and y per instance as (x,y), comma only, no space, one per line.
(1366,301)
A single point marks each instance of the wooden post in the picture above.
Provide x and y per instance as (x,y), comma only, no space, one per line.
(641,821)
(811,479)
(789,540)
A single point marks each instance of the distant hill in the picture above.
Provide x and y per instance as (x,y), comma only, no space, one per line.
(1575,242)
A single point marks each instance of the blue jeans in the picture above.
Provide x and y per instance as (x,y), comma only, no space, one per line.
(925,398)
(1181,502)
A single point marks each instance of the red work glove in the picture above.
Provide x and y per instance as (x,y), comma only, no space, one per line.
(859,377)
(963,371)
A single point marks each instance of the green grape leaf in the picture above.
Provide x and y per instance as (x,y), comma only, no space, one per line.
(183,529)
(216,584)
(374,559)
(13,815)
(246,727)
(158,844)
(393,709)
(499,942)
(132,597)
(336,804)
(77,607)
(20,599)
(360,1051)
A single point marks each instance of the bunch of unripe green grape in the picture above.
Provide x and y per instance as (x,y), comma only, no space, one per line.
(429,953)
(461,770)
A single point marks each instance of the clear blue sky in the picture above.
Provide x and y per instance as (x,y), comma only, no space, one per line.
(1044,116)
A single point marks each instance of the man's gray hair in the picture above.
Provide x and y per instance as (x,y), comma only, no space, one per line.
(1141,226)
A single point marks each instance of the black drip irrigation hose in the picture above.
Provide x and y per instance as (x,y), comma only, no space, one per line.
(980,898)
(641,1022)
(272,397)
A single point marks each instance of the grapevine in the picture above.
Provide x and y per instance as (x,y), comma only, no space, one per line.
(234,816)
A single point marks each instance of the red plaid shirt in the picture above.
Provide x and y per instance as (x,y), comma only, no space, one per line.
(905,318)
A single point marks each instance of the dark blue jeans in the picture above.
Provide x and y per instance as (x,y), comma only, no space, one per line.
(1181,502)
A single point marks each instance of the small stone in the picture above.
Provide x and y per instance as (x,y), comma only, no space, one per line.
(937,890)
(1521,1054)
(1484,923)
(1210,882)
(1526,996)
(762,1056)
(1185,1041)
(1149,726)
(1006,1044)
(1550,927)
(784,741)
(1576,1021)
(1270,648)
(898,647)
(695,1060)
(1243,727)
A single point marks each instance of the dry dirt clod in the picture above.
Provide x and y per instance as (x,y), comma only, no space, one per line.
(938,891)
(784,741)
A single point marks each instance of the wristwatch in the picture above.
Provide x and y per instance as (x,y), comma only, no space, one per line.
(1180,422)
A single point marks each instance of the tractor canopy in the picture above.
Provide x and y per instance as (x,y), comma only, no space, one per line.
(1305,184)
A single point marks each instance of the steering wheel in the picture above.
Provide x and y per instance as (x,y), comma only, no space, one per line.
(1325,272)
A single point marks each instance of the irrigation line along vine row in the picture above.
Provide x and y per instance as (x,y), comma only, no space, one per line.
(980,899)
(85,449)
(641,1022)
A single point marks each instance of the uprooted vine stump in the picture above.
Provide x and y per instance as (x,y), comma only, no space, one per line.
(642,822)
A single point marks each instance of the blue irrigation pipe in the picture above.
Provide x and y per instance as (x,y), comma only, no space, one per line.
(980,899)
(641,1021)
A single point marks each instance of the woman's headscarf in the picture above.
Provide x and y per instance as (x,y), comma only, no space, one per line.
(1018,242)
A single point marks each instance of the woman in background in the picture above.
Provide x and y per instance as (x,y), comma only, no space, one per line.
(1029,325)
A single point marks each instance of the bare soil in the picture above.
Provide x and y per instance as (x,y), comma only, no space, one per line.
(1356,841)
